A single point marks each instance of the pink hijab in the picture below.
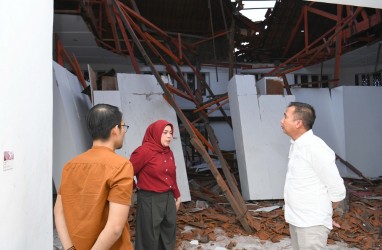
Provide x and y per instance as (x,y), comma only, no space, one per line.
(153,135)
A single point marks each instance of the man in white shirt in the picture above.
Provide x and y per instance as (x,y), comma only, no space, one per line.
(313,186)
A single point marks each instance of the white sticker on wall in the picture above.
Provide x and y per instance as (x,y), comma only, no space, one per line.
(8,161)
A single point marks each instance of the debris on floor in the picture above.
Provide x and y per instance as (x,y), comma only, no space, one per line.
(360,217)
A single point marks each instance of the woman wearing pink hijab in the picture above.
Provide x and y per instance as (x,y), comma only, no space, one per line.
(158,193)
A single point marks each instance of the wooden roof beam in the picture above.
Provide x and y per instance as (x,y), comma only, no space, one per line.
(127,43)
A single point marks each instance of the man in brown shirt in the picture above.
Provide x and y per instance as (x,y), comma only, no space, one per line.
(94,198)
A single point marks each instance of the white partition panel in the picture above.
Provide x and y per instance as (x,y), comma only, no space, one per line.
(261,146)
(141,101)
(113,97)
(348,120)
(26,125)
(110,97)
(329,124)
(363,123)
(70,135)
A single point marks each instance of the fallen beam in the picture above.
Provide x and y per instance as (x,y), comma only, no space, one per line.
(354,169)
(177,92)
(209,104)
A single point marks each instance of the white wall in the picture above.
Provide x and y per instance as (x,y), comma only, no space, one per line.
(347,75)
(330,120)
(219,82)
(26,124)
(70,106)
(363,116)
(261,146)
(348,120)
(329,124)
(224,134)
(362,60)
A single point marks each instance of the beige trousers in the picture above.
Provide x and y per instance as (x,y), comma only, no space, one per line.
(309,238)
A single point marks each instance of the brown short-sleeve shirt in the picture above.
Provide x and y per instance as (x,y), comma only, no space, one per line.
(89,182)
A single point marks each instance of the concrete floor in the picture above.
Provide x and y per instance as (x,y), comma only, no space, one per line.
(249,243)
(240,242)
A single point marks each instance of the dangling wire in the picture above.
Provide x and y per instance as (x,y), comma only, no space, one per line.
(213,39)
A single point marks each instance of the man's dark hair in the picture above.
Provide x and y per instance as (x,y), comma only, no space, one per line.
(101,119)
(304,112)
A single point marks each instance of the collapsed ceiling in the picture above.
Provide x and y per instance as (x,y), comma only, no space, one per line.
(294,34)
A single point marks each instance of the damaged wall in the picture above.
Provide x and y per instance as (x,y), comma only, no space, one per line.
(261,146)
(26,125)
(348,120)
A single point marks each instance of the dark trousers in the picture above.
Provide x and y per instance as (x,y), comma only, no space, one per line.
(156,221)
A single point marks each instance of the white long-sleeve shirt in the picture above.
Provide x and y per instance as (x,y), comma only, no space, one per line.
(312,183)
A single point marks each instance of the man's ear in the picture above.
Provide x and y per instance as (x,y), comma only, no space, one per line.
(114,130)
(299,124)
